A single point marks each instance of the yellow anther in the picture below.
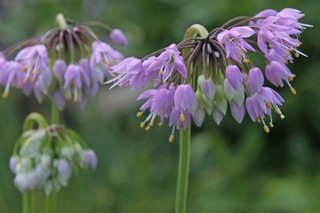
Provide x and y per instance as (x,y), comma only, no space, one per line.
(271,125)
(246,61)
(139,114)
(148,128)
(297,44)
(182,117)
(24,68)
(142,125)
(282,116)
(278,111)
(291,50)
(171,138)
(69,96)
(34,71)
(266,128)
(161,71)
(270,46)
(291,62)
(258,119)
(291,77)
(25,80)
(297,55)
(5,94)
(268,104)
(151,122)
(293,91)
(160,124)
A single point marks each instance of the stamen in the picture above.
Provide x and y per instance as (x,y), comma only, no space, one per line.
(24,68)
(293,91)
(268,104)
(270,45)
(265,127)
(5,94)
(297,55)
(160,124)
(148,128)
(297,44)
(182,117)
(171,138)
(271,122)
(258,119)
(142,125)
(139,114)
(246,61)
(291,77)
(152,122)
(69,95)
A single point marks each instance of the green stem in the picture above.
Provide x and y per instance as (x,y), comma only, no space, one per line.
(50,202)
(51,199)
(27,202)
(55,118)
(183,172)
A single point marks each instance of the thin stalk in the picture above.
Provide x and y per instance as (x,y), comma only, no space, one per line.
(51,199)
(55,118)
(27,202)
(183,172)
(50,202)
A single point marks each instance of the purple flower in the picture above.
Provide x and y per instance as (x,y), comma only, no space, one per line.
(103,57)
(11,74)
(261,99)
(130,72)
(63,167)
(276,73)
(254,80)
(207,88)
(168,61)
(236,101)
(160,103)
(119,37)
(59,99)
(234,76)
(59,69)
(14,160)
(233,41)
(89,159)
(185,103)
(75,77)
(34,60)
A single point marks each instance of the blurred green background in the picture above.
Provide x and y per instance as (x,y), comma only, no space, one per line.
(234,168)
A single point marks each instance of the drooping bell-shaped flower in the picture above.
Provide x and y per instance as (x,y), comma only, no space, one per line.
(233,41)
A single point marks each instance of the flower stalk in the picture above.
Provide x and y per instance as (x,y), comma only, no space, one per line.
(183,172)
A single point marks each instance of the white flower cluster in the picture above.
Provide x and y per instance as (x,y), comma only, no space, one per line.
(46,162)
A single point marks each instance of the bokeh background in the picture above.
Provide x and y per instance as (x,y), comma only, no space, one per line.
(234,168)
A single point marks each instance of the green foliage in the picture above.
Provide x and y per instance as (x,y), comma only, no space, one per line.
(234,168)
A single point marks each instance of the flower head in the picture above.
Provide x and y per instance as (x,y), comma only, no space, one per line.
(209,74)
(67,63)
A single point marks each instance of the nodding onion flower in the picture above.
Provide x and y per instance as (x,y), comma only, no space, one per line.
(67,63)
(203,75)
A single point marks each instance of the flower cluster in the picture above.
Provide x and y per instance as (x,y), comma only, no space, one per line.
(66,63)
(206,74)
(46,158)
